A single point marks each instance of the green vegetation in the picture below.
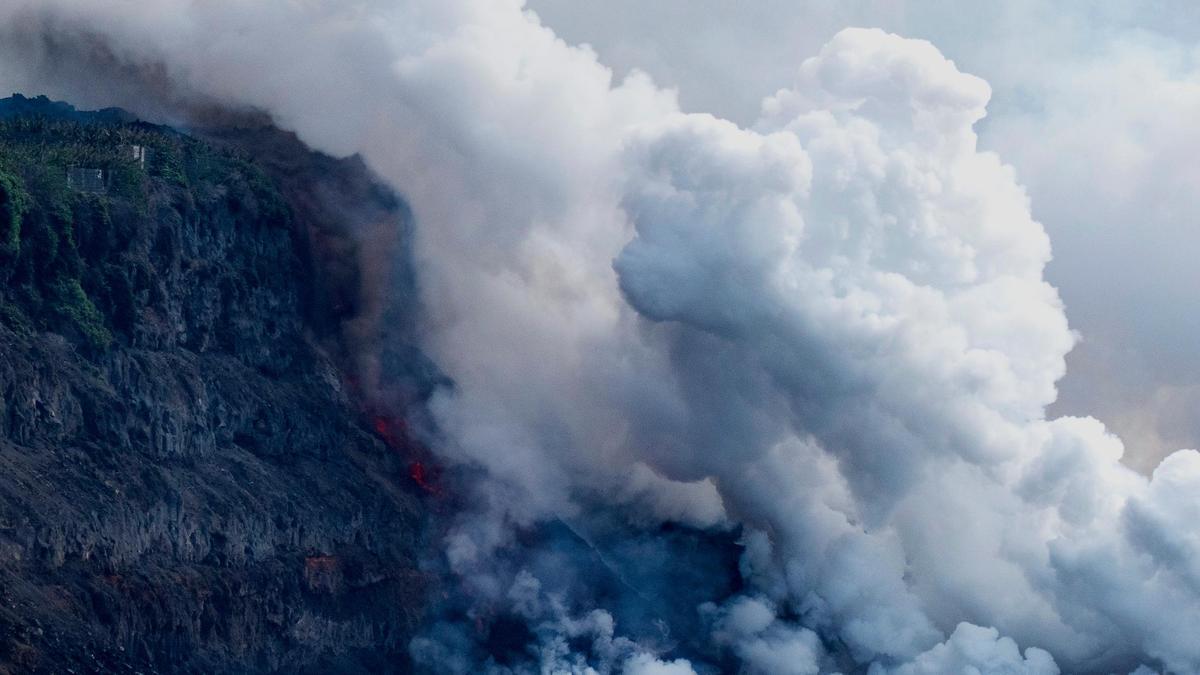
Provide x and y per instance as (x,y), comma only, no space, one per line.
(13,202)
(71,304)
(65,262)
(15,319)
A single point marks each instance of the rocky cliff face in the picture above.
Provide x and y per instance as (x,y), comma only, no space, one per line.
(189,477)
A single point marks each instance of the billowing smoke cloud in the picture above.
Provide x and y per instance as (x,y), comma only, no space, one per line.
(1107,89)
(827,333)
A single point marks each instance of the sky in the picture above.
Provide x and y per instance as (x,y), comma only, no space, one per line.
(801,281)
(1093,103)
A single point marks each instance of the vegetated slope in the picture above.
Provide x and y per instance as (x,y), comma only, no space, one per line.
(187,483)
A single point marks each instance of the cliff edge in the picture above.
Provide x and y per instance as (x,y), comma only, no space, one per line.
(189,477)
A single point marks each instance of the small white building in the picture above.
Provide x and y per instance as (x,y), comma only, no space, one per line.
(139,153)
(86,180)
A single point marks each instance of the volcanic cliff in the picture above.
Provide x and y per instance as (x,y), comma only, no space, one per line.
(203,387)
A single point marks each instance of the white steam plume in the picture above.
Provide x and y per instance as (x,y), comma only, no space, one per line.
(830,329)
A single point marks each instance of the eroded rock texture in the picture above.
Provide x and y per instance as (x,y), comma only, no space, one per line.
(188,479)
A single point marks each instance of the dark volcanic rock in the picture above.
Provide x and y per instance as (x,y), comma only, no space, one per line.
(186,481)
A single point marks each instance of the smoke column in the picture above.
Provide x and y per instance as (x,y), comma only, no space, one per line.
(827,333)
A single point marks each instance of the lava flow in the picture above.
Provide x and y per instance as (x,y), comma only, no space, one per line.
(394,433)
(392,430)
(416,471)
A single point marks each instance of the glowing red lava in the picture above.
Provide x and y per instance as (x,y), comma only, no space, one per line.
(394,432)
(416,471)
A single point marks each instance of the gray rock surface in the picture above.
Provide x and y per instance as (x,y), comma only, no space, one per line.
(205,494)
